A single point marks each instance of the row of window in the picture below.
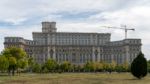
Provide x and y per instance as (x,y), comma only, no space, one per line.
(84,58)
(14,40)
(133,41)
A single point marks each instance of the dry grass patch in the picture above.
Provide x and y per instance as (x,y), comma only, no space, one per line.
(74,78)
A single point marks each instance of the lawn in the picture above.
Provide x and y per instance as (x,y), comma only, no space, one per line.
(74,78)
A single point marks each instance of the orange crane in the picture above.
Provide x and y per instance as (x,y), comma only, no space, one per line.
(124,27)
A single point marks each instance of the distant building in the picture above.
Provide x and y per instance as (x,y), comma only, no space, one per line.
(75,47)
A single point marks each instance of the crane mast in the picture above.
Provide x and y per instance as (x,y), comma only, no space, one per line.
(124,27)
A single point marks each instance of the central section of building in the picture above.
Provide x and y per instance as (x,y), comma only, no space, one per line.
(77,48)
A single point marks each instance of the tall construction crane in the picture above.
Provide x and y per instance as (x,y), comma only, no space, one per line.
(124,27)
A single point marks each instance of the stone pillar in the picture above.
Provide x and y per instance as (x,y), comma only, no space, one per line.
(53,39)
(98,55)
(70,54)
(112,58)
(54,53)
(93,54)
(127,54)
(48,54)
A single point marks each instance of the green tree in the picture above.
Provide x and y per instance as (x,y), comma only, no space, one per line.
(66,66)
(22,64)
(139,66)
(12,65)
(119,68)
(106,66)
(18,53)
(37,68)
(100,66)
(89,66)
(79,68)
(50,65)
(4,64)
(113,65)
(73,68)
(125,66)
(14,55)
(148,66)
(45,70)
(30,64)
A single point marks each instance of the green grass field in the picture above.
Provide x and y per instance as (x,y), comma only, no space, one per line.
(74,78)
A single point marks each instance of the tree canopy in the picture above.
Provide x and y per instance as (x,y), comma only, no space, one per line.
(139,66)
(4,64)
(16,58)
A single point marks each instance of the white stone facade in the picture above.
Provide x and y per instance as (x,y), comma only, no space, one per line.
(75,47)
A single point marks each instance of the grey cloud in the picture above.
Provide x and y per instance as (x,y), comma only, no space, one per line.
(107,12)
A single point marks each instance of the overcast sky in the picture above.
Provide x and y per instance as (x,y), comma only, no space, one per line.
(22,17)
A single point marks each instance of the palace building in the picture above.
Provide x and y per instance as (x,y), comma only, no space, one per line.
(75,47)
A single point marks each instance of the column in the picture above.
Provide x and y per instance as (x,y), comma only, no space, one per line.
(93,54)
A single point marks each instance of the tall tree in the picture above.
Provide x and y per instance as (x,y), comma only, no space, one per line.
(14,55)
(139,66)
(12,65)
